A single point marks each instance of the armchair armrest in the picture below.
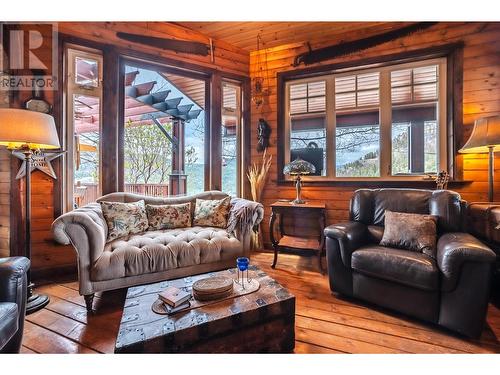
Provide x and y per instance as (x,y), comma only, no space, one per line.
(245,216)
(84,228)
(350,236)
(12,272)
(13,289)
(455,249)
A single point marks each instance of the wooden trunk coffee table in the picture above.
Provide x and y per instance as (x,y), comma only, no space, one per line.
(260,322)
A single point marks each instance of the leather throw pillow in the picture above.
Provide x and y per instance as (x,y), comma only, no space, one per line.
(169,216)
(124,218)
(414,232)
(212,213)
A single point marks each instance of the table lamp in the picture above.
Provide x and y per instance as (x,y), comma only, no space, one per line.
(27,132)
(485,138)
(299,167)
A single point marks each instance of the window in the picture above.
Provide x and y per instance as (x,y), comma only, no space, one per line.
(83,139)
(357,131)
(164,132)
(387,122)
(231,129)
(415,105)
(308,123)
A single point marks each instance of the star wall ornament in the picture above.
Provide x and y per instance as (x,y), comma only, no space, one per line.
(40,160)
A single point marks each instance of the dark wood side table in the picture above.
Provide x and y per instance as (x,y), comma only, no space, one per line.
(317,211)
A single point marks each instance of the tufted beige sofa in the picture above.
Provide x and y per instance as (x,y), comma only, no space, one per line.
(153,255)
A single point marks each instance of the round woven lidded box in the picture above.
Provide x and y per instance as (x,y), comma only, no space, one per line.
(212,288)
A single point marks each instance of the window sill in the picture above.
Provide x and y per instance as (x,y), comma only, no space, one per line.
(377,183)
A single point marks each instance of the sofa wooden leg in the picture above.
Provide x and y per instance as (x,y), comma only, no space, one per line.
(89,299)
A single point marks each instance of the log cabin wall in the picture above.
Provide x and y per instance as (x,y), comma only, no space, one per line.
(481,97)
(48,257)
(481,94)
(4,190)
(4,203)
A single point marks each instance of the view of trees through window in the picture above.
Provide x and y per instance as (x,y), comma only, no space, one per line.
(156,102)
(231,121)
(357,151)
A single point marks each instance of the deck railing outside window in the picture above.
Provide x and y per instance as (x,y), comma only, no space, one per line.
(88,193)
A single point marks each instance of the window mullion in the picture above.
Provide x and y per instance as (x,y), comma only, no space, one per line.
(385,124)
(330,126)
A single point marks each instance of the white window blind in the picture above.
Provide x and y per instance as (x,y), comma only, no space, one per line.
(357,91)
(414,85)
(308,97)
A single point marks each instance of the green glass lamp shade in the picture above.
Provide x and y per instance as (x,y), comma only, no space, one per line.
(299,167)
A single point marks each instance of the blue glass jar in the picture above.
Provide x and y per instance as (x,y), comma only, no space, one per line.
(242,263)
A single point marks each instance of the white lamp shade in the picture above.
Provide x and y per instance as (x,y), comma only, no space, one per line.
(20,127)
(486,134)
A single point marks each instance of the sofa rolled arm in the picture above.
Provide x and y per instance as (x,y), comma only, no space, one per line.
(84,228)
(455,249)
(350,236)
(245,216)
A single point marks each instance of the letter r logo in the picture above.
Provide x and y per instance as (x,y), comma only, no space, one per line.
(17,49)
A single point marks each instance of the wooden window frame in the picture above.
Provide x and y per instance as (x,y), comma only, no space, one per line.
(451,116)
(239,131)
(113,80)
(71,52)
(149,65)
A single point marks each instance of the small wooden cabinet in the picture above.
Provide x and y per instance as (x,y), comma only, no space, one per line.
(315,211)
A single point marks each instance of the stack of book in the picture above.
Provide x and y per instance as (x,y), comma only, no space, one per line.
(175,299)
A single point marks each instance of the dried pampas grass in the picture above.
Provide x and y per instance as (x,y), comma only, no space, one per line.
(257,175)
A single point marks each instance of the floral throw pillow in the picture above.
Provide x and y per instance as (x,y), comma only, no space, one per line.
(212,213)
(124,218)
(169,216)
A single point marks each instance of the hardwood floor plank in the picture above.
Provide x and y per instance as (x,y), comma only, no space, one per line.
(110,319)
(397,343)
(42,340)
(97,337)
(63,293)
(428,341)
(325,322)
(319,296)
(26,350)
(306,348)
(361,311)
(108,301)
(339,343)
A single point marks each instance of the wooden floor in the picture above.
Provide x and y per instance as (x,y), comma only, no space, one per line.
(324,323)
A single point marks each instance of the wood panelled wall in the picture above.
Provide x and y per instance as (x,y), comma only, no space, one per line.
(46,255)
(4,203)
(4,190)
(481,96)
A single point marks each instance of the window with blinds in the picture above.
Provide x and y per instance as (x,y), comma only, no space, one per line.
(387,122)
(307,111)
(415,101)
(414,85)
(357,130)
(357,91)
(308,98)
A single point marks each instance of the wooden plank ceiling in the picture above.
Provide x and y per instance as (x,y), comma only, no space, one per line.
(273,34)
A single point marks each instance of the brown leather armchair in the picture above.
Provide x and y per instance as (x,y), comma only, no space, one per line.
(13,290)
(451,290)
